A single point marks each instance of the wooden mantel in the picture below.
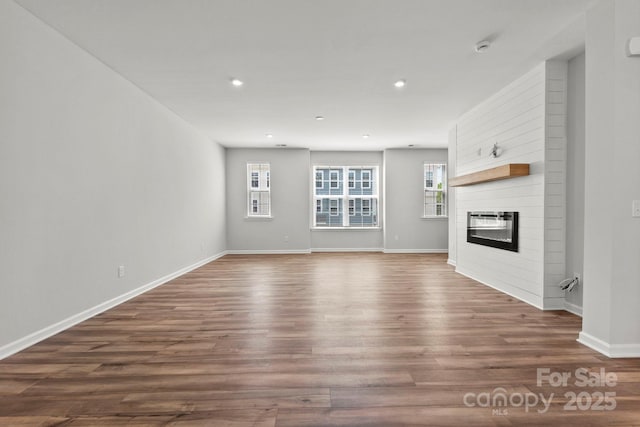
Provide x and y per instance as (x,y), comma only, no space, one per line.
(510,170)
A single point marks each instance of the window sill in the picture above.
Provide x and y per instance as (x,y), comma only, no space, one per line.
(346,228)
(258,218)
(434,217)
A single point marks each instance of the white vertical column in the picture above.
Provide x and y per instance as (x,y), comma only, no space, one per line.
(611,319)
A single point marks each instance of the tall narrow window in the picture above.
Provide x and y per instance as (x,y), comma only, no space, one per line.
(333,178)
(258,190)
(366,179)
(333,207)
(366,207)
(435,190)
(350,200)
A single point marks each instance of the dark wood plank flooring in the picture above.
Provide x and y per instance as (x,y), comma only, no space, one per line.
(314,340)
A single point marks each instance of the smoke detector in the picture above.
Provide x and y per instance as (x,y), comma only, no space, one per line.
(483,46)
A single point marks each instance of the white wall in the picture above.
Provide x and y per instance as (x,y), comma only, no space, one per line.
(326,239)
(405,229)
(575,178)
(526,120)
(611,294)
(288,229)
(93,174)
(555,181)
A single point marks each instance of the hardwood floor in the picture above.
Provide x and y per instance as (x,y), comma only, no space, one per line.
(322,340)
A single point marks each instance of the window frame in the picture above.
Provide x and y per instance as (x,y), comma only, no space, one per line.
(321,180)
(362,207)
(255,193)
(351,216)
(438,185)
(363,180)
(331,207)
(336,180)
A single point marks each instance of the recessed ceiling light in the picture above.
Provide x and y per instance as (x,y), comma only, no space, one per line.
(237,82)
(400,83)
(319,118)
(483,46)
(268,135)
(365,136)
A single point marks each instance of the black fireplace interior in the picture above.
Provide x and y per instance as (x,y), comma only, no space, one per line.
(495,229)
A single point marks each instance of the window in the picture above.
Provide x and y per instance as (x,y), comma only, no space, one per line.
(366,179)
(259,190)
(366,207)
(435,188)
(319,180)
(333,207)
(350,204)
(352,179)
(333,178)
(428,179)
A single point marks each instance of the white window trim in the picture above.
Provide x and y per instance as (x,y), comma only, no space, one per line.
(375,177)
(434,189)
(368,207)
(363,181)
(331,180)
(321,180)
(352,182)
(259,189)
(337,207)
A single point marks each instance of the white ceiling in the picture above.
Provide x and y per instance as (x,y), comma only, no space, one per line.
(335,58)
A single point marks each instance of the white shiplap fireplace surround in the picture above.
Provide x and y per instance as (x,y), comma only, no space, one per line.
(527,119)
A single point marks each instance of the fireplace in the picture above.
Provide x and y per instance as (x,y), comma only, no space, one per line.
(495,229)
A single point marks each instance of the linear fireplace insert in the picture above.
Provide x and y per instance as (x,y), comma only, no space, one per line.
(495,229)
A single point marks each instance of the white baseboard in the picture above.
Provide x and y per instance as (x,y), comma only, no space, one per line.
(517,293)
(451,262)
(31,339)
(267,251)
(556,303)
(415,251)
(573,308)
(609,350)
(347,250)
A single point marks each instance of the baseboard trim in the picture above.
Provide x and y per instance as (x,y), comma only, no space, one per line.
(556,303)
(522,296)
(347,250)
(451,262)
(268,251)
(573,308)
(610,350)
(415,251)
(594,343)
(31,339)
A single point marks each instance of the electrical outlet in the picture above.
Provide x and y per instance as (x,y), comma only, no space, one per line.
(396,237)
(286,238)
(121,271)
